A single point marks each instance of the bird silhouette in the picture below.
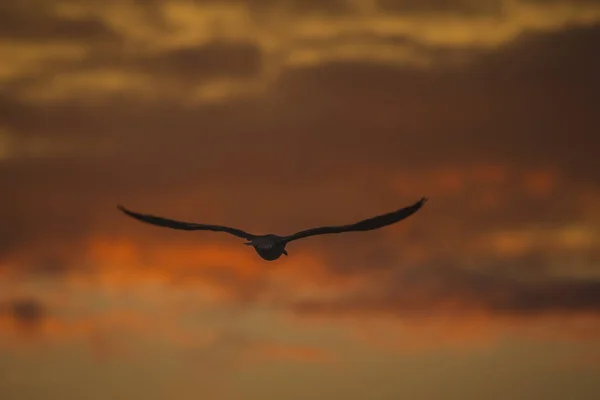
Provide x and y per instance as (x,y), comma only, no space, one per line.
(270,247)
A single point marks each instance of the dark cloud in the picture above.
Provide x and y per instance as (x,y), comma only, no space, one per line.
(545,2)
(393,6)
(26,310)
(468,7)
(427,290)
(303,6)
(536,102)
(27,313)
(36,21)
(495,8)
(316,6)
(213,60)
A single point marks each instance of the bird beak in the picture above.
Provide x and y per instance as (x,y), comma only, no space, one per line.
(285,252)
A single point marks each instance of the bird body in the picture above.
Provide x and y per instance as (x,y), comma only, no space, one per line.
(270,247)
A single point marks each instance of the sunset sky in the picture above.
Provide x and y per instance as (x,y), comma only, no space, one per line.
(280,115)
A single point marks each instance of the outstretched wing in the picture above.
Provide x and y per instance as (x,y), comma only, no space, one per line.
(186,226)
(364,225)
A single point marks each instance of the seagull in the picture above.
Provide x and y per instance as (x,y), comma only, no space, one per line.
(270,247)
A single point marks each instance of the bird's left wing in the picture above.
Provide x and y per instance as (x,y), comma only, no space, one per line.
(364,225)
(186,226)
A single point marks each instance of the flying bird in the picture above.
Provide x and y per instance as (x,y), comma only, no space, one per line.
(270,247)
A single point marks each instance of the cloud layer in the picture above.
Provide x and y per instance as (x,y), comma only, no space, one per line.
(278,116)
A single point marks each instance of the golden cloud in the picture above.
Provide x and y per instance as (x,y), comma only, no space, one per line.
(286,39)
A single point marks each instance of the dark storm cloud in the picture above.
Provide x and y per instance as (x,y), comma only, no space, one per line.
(35,21)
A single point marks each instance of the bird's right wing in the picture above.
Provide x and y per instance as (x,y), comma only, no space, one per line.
(364,225)
(186,226)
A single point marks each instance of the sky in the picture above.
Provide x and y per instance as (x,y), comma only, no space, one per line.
(276,116)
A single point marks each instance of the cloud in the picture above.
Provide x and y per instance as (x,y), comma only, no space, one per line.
(289,34)
(208,61)
(501,94)
(425,290)
(459,7)
(499,138)
(309,6)
(311,103)
(116,331)
(115,72)
(25,314)
(37,21)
